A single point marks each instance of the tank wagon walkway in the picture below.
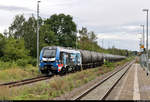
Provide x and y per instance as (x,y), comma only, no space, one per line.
(135,85)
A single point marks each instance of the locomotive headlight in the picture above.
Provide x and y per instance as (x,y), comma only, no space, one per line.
(44,59)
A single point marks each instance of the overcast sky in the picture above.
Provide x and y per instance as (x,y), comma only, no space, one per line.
(116,22)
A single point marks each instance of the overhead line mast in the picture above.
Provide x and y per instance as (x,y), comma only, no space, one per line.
(38,33)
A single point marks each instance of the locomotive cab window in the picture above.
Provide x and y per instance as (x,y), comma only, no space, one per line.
(49,53)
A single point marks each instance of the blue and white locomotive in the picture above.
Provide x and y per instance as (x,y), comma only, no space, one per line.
(54,59)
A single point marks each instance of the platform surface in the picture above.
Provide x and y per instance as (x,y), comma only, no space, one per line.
(135,85)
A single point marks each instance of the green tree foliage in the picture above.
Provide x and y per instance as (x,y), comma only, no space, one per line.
(2,44)
(47,36)
(83,38)
(14,49)
(56,30)
(64,28)
(20,28)
(30,37)
(116,51)
(92,36)
(16,28)
(88,40)
(6,33)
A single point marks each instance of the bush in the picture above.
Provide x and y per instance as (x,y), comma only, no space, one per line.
(6,65)
(14,49)
(32,61)
(108,64)
(22,62)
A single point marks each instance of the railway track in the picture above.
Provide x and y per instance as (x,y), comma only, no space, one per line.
(24,82)
(101,90)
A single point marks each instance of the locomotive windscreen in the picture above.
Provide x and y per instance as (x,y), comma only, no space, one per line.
(49,53)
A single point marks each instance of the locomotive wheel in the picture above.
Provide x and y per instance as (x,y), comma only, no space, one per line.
(73,69)
(78,68)
(42,71)
(50,73)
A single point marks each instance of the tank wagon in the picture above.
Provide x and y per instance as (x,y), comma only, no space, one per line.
(91,59)
(112,58)
(55,59)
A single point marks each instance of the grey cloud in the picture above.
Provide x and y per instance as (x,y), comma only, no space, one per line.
(122,44)
(14,8)
(116,29)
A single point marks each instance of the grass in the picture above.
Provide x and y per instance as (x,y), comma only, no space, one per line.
(4,93)
(7,65)
(59,85)
(17,73)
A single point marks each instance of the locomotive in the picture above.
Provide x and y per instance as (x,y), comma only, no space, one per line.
(56,59)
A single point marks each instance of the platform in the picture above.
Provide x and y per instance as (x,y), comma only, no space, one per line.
(135,85)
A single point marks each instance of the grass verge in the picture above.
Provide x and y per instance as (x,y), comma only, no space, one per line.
(16,73)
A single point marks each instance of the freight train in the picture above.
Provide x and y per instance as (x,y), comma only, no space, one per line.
(56,59)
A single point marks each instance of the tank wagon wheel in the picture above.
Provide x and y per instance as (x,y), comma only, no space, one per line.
(78,68)
(74,69)
(94,65)
(67,69)
(90,66)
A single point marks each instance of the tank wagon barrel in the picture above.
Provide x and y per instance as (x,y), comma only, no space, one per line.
(91,58)
(111,58)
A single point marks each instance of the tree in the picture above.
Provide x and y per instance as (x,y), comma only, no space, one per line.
(92,36)
(6,33)
(88,40)
(2,44)
(1,36)
(47,36)
(16,28)
(29,36)
(83,33)
(14,49)
(64,29)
